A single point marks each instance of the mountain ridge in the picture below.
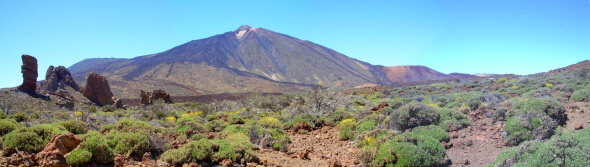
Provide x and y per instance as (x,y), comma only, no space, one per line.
(245,60)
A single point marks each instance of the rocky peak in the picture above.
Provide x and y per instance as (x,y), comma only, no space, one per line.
(56,79)
(242,28)
(30,74)
(97,90)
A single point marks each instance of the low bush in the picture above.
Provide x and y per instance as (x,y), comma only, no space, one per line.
(7,125)
(550,106)
(412,115)
(78,157)
(234,147)
(365,126)
(75,126)
(270,122)
(433,131)
(97,145)
(32,139)
(450,118)
(346,128)
(410,149)
(529,125)
(581,95)
(569,149)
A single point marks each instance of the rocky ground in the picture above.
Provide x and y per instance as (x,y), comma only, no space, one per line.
(320,147)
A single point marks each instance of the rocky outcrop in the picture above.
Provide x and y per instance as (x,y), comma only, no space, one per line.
(148,98)
(56,79)
(29,70)
(54,152)
(97,90)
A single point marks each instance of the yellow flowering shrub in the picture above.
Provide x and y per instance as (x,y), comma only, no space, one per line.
(270,122)
(171,119)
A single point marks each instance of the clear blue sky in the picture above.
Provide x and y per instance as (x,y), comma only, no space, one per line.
(482,36)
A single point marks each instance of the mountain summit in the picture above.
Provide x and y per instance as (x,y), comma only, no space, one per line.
(244,60)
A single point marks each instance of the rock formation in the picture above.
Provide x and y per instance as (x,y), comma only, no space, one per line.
(29,70)
(54,152)
(148,98)
(57,78)
(97,90)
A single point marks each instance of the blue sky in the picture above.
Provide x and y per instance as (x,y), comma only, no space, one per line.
(483,36)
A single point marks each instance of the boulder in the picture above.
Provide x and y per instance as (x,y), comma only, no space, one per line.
(54,152)
(148,98)
(57,79)
(29,70)
(97,90)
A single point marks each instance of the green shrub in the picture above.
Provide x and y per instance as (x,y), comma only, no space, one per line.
(75,126)
(129,125)
(338,116)
(235,119)
(433,131)
(32,139)
(569,149)
(451,118)
(365,126)
(129,143)
(190,128)
(106,128)
(410,149)
(346,128)
(178,156)
(581,95)
(7,125)
(78,157)
(412,115)
(234,147)
(270,122)
(550,106)
(529,126)
(398,102)
(19,117)
(215,125)
(97,145)
(108,108)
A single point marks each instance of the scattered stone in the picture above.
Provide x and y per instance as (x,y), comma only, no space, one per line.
(453,135)
(579,126)
(22,159)
(334,163)
(120,160)
(57,79)
(54,152)
(30,74)
(147,159)
(148,98)
(447,145)
(497,136)
(305,153)
(301,126)
(226,163)
(379,107)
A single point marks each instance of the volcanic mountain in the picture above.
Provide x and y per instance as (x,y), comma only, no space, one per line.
(245,60)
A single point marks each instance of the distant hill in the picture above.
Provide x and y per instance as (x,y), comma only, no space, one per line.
(244,60)
(573,67)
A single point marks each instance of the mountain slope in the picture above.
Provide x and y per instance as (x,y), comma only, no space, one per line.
(245,60)
(404,74)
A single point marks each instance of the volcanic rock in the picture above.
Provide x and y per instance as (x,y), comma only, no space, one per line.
(148,98)
(579,126)
(97,90)
(56,79)
(54,152)
(29,70)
